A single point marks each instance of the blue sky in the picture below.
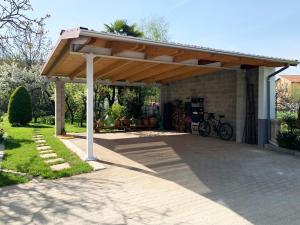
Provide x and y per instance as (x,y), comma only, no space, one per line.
(262,27)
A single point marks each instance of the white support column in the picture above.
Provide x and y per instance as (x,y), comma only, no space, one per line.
(90,106)
(263,74)
(59,107)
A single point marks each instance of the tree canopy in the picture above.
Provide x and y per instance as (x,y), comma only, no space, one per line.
(122,27)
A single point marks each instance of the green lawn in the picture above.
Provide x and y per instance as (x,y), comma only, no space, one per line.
(21,154)
(74,128)
(9,179)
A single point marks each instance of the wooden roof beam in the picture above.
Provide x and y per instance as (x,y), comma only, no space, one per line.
(169,74)
(81,68)
(108,68)
(134,71)
(118,69)
(188,75)
(152,72)
(60,59)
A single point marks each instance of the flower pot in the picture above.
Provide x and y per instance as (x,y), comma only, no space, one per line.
(146,122)
(126,122)
(153,121)
(139,122)
(117,123)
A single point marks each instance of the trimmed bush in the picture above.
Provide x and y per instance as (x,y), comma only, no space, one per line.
(290,140)
(19,107)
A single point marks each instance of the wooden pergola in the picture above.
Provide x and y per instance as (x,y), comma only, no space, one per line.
(82,54)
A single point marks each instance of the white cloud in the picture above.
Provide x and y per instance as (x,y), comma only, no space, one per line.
(178,5)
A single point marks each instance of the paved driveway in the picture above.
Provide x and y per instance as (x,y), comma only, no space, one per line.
(260,186)
(164,178)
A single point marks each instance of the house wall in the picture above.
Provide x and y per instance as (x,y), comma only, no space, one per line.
(225,93)
(219,91)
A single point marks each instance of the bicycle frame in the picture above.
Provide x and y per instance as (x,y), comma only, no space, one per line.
(216,123)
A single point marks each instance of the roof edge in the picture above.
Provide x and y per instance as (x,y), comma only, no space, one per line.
(92,33)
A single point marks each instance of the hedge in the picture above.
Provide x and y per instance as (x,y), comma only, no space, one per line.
(19,107)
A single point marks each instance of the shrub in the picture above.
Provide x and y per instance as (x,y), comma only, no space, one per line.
(48,120)
(291,120)
(2,135)
(19,107)
(118,111)
(289,140)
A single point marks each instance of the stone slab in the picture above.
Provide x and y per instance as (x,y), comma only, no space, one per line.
(45,147)
(96,165)
(46,151)
(60,166)
(38,136)
(40,141)
(49,155)
(52,161)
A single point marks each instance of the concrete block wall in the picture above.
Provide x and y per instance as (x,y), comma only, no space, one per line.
(218,89)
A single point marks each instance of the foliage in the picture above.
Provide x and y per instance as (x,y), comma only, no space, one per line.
(75,102)
(29,47)
(19,107)
(117,111)
(14,16)
(10,179)
(290,120)
(123,28)
(50,120)
(156,28)
(287,100)
(21,154)
(12,76)
(2,133)
(289,140)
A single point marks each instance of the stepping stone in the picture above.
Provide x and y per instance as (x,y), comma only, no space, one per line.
(45,147)
(38,136)
(49,155)
(61,166)
(46,152)
(40,141)
(54,161)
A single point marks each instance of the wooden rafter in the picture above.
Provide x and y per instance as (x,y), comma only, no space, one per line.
(117,70)
(169,74)
(60,59)
(108,68)
(136,70)
(81,68)
(188,75)
(152,72)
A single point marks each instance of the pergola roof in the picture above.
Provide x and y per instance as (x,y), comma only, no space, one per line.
(123,58)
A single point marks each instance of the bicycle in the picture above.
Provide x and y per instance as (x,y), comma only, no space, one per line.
(223,130)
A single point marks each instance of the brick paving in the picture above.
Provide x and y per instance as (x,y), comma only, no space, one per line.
(259,185)
(154,178)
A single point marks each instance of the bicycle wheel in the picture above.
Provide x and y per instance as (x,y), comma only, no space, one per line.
(204,129)
(225,131)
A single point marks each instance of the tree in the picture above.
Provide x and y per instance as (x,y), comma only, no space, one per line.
(28,47)
(13,75)
(75,102)
(14,17)
(156,28)
(19,107)
(123,28)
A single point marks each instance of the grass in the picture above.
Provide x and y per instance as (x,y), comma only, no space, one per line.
(9,179)
(281,114)
(74,128)
(21,154)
